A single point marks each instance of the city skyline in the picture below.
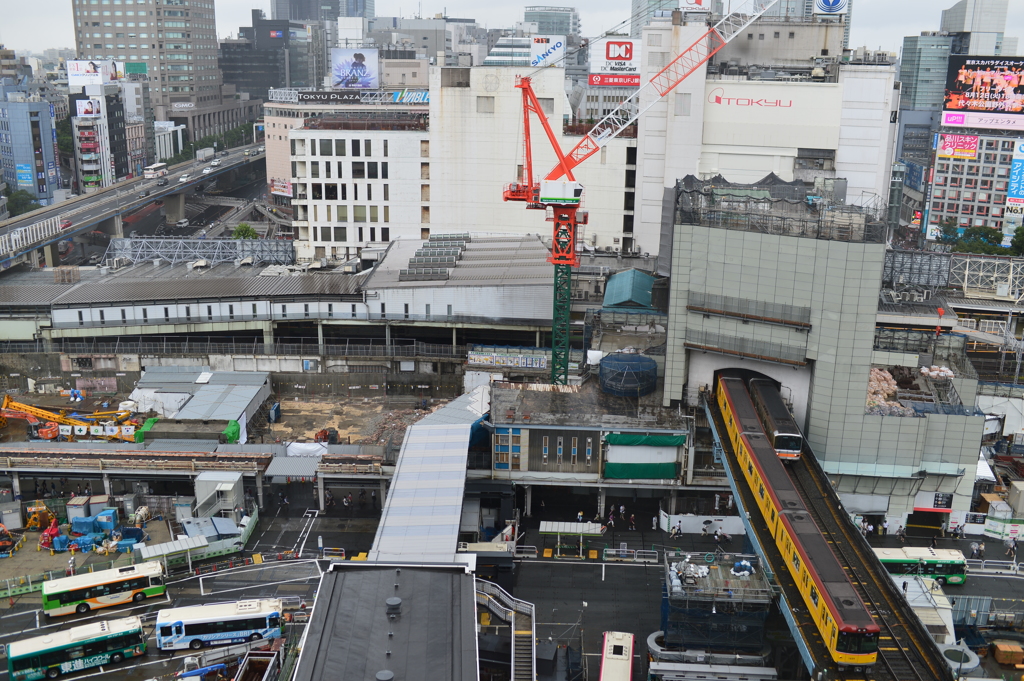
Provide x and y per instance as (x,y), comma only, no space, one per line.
(876,23)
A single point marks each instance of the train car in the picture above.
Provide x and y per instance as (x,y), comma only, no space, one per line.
(846,627)
(617,657)
(779,425)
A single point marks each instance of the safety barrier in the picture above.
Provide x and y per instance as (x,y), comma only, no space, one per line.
(17,586)
(526,552)
(630,555)
(993,566)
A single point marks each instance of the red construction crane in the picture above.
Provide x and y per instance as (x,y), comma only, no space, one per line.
(559,189)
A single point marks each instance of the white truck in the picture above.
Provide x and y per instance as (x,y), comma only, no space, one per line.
(205,154)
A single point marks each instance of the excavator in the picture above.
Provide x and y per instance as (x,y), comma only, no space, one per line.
(44,423)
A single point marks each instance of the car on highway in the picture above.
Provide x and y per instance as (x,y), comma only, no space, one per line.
(162,182)
(261,150)
(224,153)
(207,170)
(64,224)
(183,178)
(215,162)
(143,194)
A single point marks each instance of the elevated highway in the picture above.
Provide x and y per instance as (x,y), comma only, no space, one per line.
(22,237)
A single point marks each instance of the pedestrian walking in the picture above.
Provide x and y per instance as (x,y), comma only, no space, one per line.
(622,511)
(974,549)
(981,550)
(885,528)
(935,541)
(373,499)
(871,529)
(654,522)
(677,529)
(905,585)
(344,502)
(362,498)
(328,499)
(632,521)
(902,533)
(611,520)
(704,531)
(718,537)
(942,530)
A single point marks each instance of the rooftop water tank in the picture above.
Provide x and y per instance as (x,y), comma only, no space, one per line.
(628,375)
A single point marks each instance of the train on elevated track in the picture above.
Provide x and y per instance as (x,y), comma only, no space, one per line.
(845,626)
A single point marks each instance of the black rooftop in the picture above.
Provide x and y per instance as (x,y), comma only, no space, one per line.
(434,636)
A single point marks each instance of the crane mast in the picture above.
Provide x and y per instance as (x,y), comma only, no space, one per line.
(562,194)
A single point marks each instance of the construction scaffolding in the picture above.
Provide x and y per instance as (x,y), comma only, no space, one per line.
(987,276)
(773,206)
(715,601)
(926,269)
(213,251)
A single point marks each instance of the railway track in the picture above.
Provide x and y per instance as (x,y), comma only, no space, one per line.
(905,652)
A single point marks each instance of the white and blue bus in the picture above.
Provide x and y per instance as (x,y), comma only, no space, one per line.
(205,625)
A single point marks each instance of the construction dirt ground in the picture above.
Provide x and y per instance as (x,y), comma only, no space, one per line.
(357,420)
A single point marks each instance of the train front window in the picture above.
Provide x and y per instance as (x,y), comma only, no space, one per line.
(788,443)
(859,643)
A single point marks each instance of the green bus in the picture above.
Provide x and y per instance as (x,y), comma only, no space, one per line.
(945,566)
(62,652)
(102,589)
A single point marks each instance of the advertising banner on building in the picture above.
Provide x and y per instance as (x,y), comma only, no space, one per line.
(84,72)
(745,113)
(914,177)
(615,62)
(355,68)
(547,50)
(89,108)
(984,92)
(831,6)
(958,146)
(281,187)
(1015,188)
(329,97)
(24,171)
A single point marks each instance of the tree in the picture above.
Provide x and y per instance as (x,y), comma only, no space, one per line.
(20,201)
(65,139)
(949,232)
(244,231)
(1017,244)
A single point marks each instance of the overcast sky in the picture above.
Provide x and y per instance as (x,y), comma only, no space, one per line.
(39,24)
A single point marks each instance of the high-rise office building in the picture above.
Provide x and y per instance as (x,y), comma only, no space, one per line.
(977,26)
(554,20)
(272,53)
(643,10)
(173,42)
(28,142)
(358,8)
(98,127)
(923,78)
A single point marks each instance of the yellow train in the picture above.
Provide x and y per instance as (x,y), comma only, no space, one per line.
(845,625)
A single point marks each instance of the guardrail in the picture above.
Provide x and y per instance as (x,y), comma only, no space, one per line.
(629,556)
(993,566)
(526,552)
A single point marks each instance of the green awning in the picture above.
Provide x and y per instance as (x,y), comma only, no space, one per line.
(639,440)
(140,434)
(640,471)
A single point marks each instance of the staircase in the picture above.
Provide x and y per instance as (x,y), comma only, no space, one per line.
(523,651)
(520,615)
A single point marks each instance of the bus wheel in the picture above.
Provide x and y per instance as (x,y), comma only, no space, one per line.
(140,596)
(82,609)
(255,637)
(195,644)
(52,673)
(941,581)
(117,658)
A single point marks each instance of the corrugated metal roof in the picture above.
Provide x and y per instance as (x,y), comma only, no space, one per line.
(180,289)
(172,547)
(213,402)
(423,511)
(486,261)
(293,467)
(32,295)
(631,288)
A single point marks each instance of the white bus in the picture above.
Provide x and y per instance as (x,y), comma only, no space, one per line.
(84,647)
(94,590)
(204,625)
(617,657)
(154,171)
